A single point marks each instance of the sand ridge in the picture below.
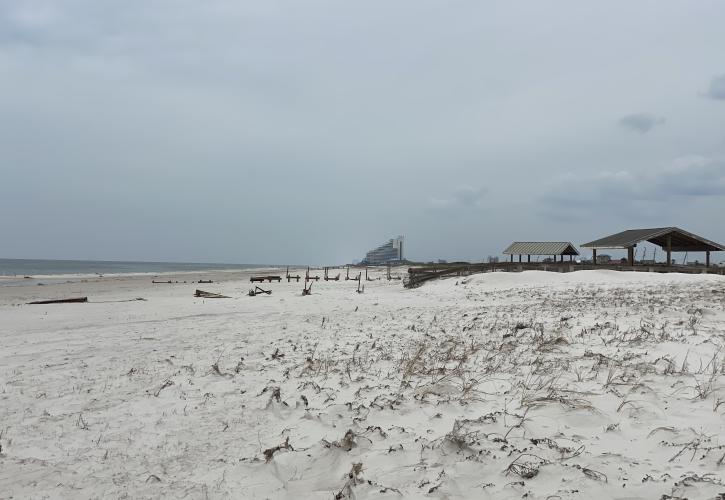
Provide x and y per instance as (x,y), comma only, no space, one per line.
(590,384)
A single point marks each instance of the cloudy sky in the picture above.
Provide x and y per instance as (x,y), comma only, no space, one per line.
(311,131)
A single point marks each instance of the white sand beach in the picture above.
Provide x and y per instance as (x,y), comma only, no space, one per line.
(594,384)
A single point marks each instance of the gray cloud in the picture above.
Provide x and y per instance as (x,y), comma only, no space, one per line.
(465,197)
(641,122)
(691,176)
(717,88)
(233,131)
(648,191)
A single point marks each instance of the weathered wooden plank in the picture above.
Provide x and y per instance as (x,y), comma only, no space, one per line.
(61,301)
(209,295)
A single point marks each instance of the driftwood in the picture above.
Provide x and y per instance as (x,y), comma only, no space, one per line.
(209,295)
(256,291)
(307,290)
(205,281)
(61,301)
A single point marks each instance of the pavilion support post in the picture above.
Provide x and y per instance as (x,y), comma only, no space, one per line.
(571,258)
(707,258)
(512,257)
(528,258)
(519,257)
(630,256)
(594,256)
(669,250)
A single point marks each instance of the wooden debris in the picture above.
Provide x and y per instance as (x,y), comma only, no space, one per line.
(256,291)
(262,279)
(61,301)
(205,281)
(310,278)
(391,277)
(307,290)
(290,277)
(331,278)
(209,295)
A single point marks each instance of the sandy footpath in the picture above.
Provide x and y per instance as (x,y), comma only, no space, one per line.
(593,384)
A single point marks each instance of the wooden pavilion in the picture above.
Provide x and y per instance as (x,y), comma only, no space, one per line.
(549,248)
(670,239)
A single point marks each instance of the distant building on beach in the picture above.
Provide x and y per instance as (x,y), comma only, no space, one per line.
(604,259)
(389,252)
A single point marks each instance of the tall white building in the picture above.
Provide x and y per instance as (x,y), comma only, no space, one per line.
(388,252)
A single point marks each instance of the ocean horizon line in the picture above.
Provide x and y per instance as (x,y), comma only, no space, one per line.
(11,267)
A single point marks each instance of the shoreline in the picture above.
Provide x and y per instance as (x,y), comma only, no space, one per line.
(70,276)
(28,290)
(55,279)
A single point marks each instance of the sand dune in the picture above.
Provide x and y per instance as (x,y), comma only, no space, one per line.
(593,384)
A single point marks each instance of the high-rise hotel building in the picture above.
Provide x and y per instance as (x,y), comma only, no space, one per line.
(389,252)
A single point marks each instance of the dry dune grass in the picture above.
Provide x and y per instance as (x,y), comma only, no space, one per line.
(447,391)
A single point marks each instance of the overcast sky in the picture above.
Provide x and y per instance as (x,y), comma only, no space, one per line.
(311,131)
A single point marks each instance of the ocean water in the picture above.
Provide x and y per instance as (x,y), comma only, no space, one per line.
(31,267)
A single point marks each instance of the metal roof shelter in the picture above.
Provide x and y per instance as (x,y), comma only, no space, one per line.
(670,239)
(530,248)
